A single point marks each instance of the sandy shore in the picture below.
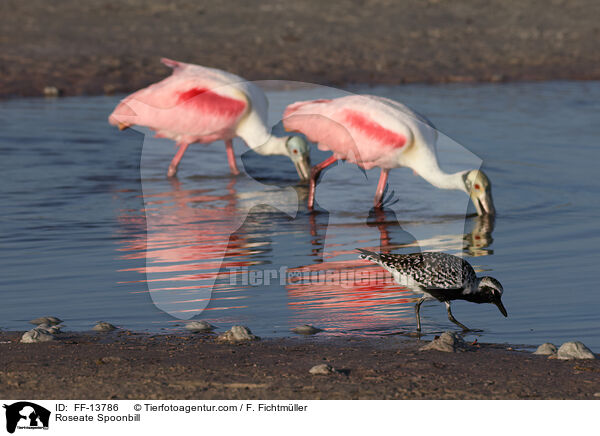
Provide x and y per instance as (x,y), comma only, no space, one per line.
(107,46)
(126,365)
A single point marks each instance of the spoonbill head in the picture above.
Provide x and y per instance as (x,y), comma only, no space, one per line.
(298,151)
(479,188)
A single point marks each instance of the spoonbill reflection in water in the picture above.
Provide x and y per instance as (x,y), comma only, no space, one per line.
(191,241)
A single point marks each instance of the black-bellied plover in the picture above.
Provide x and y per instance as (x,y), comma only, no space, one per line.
(439,276)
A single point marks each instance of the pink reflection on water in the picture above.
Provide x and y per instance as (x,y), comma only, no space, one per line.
(356,295)
(349,294)
(188,246)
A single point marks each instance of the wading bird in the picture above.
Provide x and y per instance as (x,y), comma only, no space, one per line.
(199,104)
(373,132)
(439,276)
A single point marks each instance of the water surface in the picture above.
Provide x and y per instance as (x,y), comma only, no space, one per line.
(91,229)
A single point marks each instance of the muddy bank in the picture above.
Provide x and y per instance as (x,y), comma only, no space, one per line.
(128,366)
(108,46)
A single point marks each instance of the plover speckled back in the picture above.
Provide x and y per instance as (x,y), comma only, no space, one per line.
(439,276)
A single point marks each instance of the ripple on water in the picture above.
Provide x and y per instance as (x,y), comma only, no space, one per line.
(87,236)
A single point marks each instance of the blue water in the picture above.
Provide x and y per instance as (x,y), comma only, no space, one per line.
(91,229)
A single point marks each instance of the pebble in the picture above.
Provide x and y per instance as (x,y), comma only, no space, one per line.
(306,329)
(52,329)
(574,350)
(110,359)
(448,342)
(37,335)
(322,369)
(496,78)
(104,327)
(238,333)
(109,89)
(51,91)
(50,320)
(546,349)
(199,326)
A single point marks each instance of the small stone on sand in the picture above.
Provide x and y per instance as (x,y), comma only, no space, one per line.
(199,326)
(448,342)
(110,359)
(574,350)
(36,335)
(546,349)
(238,333)
(51,91)
(50,320)
(109,89)
(322,369)
(104,327)
(306,329)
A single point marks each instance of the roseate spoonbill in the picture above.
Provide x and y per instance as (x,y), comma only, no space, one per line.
(439,276)
(375,131)
(200,104)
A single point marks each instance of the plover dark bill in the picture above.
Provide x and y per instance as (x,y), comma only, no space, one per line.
(439,276)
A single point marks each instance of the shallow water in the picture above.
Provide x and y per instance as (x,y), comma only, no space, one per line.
(91,229)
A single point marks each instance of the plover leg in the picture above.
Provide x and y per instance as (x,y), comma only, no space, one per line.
(417,308)
(451,317)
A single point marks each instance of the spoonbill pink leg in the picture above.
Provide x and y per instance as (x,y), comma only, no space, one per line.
(231,157)
(314,175)
(381,187)
(176,159)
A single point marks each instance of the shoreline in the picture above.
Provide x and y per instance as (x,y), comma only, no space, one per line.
(108,48)
(128,365)
(350,87)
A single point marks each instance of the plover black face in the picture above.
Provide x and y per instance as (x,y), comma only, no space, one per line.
(491,289)
(439,276)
